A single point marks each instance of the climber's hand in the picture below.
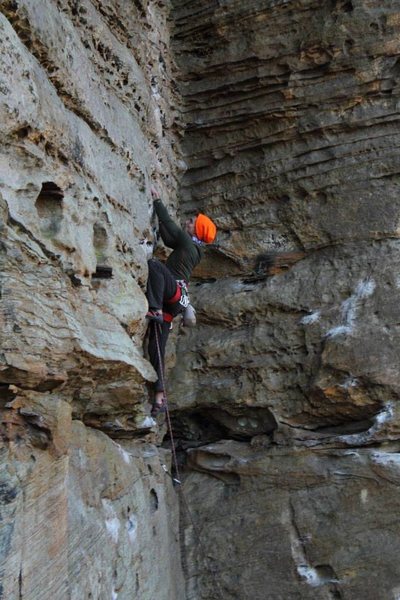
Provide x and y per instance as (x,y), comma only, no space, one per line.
(155,194)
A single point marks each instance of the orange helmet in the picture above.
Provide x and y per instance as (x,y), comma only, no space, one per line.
(205,229)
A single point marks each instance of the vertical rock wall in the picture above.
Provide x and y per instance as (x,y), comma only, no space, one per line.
(87,122)
(291,378)
(286,395)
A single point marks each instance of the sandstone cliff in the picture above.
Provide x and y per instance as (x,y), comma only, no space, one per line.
(86,105)
(285,397)
(291,112)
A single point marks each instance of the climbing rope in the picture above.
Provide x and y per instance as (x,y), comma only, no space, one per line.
(168,419)
(178,480)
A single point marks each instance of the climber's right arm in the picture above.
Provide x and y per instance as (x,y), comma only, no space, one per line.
(171,234)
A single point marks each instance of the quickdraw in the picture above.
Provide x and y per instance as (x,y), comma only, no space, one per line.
(184,300)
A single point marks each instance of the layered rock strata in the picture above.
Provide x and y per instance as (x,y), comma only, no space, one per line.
(291,109)
(286,395)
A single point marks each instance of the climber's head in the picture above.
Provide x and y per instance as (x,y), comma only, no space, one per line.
(189,225)
(202,227)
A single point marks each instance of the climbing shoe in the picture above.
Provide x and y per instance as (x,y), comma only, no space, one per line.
(157,317)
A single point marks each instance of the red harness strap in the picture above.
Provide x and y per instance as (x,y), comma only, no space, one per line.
(176,296)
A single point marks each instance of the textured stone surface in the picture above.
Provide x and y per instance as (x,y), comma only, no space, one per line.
(84,135)
(83,516)
(292,132)
(87,123)
(294,525)
(317,343)
(286,395)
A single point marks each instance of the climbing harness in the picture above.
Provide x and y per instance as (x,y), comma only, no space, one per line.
(177,479)
(184,299)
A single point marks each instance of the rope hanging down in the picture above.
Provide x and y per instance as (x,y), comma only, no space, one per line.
(178,479)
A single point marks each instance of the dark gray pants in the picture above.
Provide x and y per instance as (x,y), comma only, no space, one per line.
(161,287)
(158,333)
(161,284)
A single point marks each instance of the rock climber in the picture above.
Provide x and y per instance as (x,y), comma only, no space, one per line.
(167,284)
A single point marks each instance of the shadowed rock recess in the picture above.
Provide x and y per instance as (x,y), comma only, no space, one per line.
(279,119)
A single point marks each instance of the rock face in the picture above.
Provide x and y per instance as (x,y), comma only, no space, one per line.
(84,517)
(291,113)
(285,525)
(285,397)
(87,122)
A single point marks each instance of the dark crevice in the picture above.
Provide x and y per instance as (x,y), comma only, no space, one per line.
(207,425)
(20,583)
(28,381)
(342,6)
(75,280)
(193,429)
(8,493)
(49,206)
(153,500)
(341,428)
(6,394)
(102,272)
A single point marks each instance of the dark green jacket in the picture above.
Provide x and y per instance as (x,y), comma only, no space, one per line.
(186,254)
